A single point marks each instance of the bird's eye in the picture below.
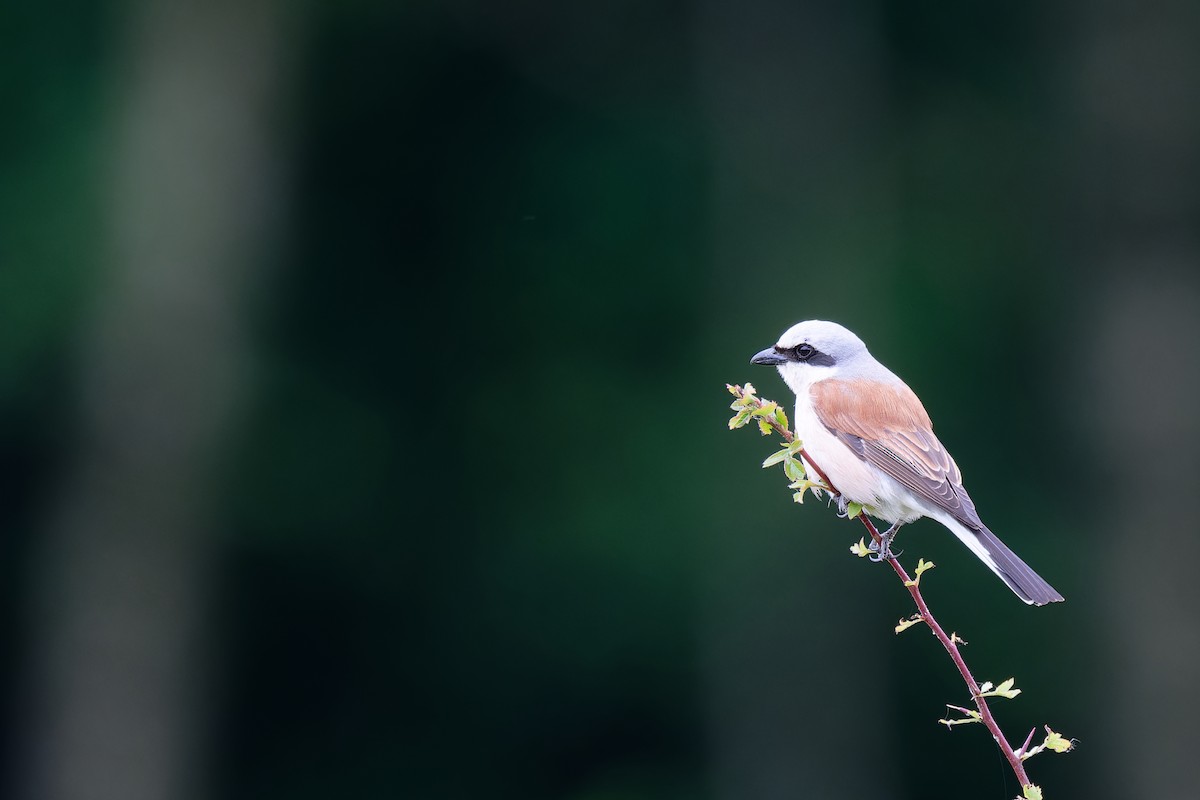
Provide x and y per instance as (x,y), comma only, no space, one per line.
(805,351)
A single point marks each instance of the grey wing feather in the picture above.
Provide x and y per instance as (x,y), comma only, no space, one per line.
(934,476)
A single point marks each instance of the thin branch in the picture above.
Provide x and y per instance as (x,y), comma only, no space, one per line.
(927,617)
(913,587)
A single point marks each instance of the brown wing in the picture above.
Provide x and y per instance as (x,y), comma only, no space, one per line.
(887,426)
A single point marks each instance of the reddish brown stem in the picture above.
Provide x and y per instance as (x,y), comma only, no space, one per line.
(1014,761)
(985,713)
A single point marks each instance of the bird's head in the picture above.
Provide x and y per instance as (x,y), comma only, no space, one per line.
(813,350)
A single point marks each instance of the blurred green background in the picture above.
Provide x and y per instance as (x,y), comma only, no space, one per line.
(362,418)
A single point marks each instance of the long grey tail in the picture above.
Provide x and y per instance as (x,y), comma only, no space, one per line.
(1027,584)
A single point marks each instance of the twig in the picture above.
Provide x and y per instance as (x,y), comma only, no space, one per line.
(926,616)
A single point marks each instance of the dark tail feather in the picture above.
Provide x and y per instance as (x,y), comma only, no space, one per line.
(1027,584)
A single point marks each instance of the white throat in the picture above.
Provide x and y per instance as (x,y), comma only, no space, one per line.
(799,377)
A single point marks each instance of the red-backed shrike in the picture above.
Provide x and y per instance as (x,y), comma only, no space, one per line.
(871,436)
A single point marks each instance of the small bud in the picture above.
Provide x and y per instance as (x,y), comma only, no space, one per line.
(922,566)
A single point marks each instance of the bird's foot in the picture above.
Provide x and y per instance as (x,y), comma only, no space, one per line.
(882,550)
(841,506)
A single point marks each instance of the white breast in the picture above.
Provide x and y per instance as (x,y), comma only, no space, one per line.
(881,495)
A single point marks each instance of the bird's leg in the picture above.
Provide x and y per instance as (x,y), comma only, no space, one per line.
(881,550)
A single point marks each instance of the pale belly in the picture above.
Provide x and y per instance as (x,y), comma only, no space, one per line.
(854,478)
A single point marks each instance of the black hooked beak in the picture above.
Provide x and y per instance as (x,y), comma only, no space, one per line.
(770,357)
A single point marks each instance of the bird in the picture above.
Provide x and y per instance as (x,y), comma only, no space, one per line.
(871,436)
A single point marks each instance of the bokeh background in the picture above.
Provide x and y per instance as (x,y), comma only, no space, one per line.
(362,419)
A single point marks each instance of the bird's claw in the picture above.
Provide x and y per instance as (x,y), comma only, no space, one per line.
(885,556)
(881,550)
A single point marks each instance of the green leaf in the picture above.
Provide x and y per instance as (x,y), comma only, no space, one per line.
(766,409)
(853,509)
(793,469)
(803,485)
(1005,689)
(739,419)
(775,458)
(795,446)
(968,716)
(781,417)
(922,566)
(1031,792)
(861,550)
(1053,741)
(949,723)
(749,389)
(765,427)
(1057,743)
(905,624)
